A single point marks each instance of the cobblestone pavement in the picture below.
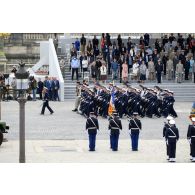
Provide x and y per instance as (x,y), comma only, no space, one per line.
(76,151)
(67,125)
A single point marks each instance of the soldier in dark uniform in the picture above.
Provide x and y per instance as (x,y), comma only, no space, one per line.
(92,126)
(191,138)
(167,125)
(134,129)
(46,101)
(115,126)
(172,136)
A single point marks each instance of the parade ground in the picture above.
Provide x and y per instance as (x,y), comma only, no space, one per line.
(61,137)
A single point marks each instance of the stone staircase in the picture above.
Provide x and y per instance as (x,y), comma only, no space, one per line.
(184,92)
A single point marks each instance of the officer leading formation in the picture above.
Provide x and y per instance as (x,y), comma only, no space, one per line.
(147,102)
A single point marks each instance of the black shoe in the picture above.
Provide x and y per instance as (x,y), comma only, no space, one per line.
(41,113)
(74,110)
(51,112)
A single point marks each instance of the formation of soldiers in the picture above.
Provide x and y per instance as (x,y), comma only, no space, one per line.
(145,101)
(170,133)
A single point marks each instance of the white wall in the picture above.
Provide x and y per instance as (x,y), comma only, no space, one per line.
(54,68)
(48,56)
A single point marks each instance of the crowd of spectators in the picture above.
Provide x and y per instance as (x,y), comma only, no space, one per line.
(171,58)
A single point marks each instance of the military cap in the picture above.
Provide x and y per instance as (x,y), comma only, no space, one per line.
(135,113)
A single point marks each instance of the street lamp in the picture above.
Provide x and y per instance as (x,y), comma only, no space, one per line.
(22,85)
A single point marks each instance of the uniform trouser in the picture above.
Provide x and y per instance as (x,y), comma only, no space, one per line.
(172,149)
(167,147)
(114,141)
(192,149)
(134,139)
(92,139)
(46,104)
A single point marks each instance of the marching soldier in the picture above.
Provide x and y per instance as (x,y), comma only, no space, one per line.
(92,126)
(134,129)
(172,136)
(167,125)
(115,126)
(191,138)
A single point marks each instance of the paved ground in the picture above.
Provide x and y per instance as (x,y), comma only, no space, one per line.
(58,151)
(61,137)
(67,125)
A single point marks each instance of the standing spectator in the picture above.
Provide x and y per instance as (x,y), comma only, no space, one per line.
(135,70)
(75,67)
(129,44)
(83,43)
(159,69)
(103,72)
(108,39)
(55,41)
(96,52)
(102,42)
(151,69)
(180,41)
(95,42)
(157,46)
(123,49)
(97,66)
(33,86)
(93,71)
(164,61)
(169,69)
(85,64)
(125,72)
(187,68)
(179,71)
(171,38)
(47,84)
(55,87)
(89,51)
(13,85)
(192,64)
(175,62)
(114,66)
(77,44)
(119,42)
(40,85)
(146,39)
(142,70)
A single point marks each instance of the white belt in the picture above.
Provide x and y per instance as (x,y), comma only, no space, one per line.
(114,128)
(92,128)
(134,128)
(172,136)
(193,136)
